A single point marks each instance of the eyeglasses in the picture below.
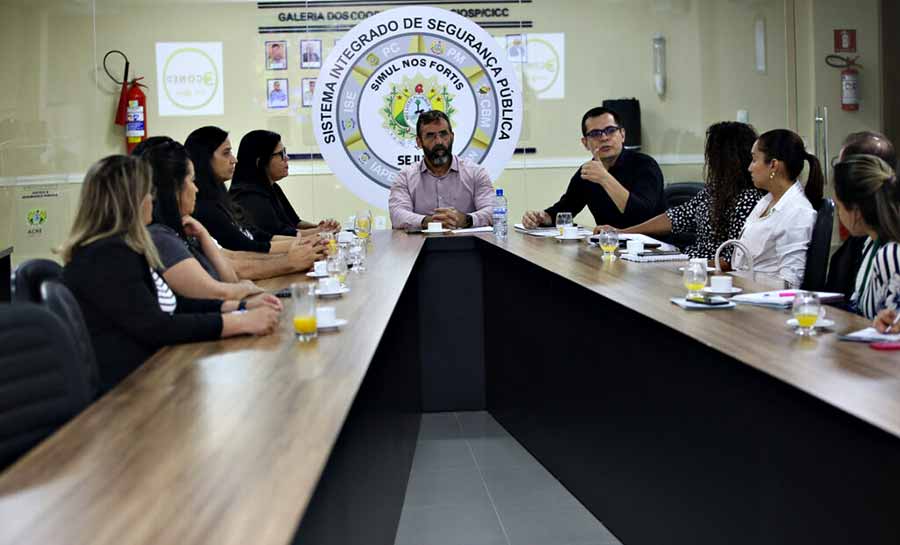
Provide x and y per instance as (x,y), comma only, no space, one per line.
(429,136)
(283,153)
(608,131)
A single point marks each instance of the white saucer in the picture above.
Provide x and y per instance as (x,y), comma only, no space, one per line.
(708,269)
(576,237)
(427,232)
(734,291)
(337,323)
(821,323)
(336,293)
(314,274)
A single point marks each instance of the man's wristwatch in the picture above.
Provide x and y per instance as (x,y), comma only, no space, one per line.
(242,304)
(470,221)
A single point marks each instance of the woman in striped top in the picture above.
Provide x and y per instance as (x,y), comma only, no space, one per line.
(111,264)
(868,202)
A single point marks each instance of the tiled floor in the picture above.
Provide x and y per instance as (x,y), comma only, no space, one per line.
(473,484)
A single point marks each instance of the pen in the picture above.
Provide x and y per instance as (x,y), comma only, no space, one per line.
(892,324)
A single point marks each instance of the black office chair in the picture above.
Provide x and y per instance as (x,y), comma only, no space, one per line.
(819,248)
(28,277)
(677,194)
(60,301)
(41,385)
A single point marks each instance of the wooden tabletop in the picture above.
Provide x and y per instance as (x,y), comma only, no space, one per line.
(225,441)
(847,375)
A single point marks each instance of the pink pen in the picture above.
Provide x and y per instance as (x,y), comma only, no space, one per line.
(787,294)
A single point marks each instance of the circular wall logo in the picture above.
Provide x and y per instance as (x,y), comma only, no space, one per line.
(190,78)
(36,217)
(395,66)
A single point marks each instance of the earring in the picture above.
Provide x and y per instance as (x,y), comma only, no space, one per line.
(772,175)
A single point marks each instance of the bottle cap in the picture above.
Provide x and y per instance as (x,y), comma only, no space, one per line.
(499,192)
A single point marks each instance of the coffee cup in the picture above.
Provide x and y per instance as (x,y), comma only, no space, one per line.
(325,316)
(634,246)
(720,283)
(329,285)
(320,268)
(570,231)
(435,226)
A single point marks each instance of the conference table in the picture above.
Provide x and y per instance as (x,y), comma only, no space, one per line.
(670,426)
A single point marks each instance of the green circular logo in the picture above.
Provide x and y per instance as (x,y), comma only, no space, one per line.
(186,86)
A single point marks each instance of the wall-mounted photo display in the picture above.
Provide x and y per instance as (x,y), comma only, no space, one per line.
(310,53)
(308,87)
(277,93)
(276,55)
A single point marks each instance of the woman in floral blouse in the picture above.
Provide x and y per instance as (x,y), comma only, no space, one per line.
(716,213)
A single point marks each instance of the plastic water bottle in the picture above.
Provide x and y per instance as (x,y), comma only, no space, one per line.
(500,215)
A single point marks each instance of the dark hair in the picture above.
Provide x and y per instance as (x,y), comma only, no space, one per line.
(170,167)
(254,155)
(727,157)
(201,145)
(786,146)
(149,143)
(429,117)
(868,183)
(870,143)
(597,112)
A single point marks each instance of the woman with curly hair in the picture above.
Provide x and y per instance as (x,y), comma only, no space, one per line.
(718,211)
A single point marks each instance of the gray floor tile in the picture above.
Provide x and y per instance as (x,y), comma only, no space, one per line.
(480,424)
(566,524)
(439,426)
(528,484)
(444,487)
(499,452)
(436,454)
(462,524)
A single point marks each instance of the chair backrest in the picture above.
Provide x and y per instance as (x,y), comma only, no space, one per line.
(28,277)
(60,301)
(681,192)
(41,385)
(819,248)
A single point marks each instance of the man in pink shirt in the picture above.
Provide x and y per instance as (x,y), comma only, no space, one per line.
(442,187)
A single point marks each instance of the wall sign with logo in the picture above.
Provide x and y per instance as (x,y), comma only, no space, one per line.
(189,76)
(393,67)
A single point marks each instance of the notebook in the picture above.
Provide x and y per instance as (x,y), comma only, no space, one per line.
(781,298)
(654,257)
(868,335)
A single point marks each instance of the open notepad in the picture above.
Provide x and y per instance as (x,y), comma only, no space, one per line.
(869,335)
(781,298)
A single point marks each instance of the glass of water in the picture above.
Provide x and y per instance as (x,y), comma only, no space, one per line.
(357,254)
(563,220)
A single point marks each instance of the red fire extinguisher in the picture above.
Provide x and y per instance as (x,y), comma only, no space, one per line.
(849,80)
(135,115)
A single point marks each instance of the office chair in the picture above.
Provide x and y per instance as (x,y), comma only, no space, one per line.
(819,248)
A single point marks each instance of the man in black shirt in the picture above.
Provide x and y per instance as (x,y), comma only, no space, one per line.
(620,187)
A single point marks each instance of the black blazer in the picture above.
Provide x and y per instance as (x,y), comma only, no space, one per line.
(113,286)
(266,207)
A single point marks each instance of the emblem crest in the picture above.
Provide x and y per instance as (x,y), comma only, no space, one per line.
(402,106)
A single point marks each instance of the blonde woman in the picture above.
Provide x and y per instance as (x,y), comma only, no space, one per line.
(110,267)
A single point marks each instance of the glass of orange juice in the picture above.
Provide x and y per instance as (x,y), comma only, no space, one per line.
(304,301)
(363,224)
(806,311)
(695,278)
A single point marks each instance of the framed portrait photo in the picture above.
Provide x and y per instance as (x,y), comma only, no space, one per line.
(310,53)
(277,94)
(308,90)
(276,55)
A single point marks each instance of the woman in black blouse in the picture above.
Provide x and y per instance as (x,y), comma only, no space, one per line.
(716,213)
(254,253)
(110,263)
(263,161)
